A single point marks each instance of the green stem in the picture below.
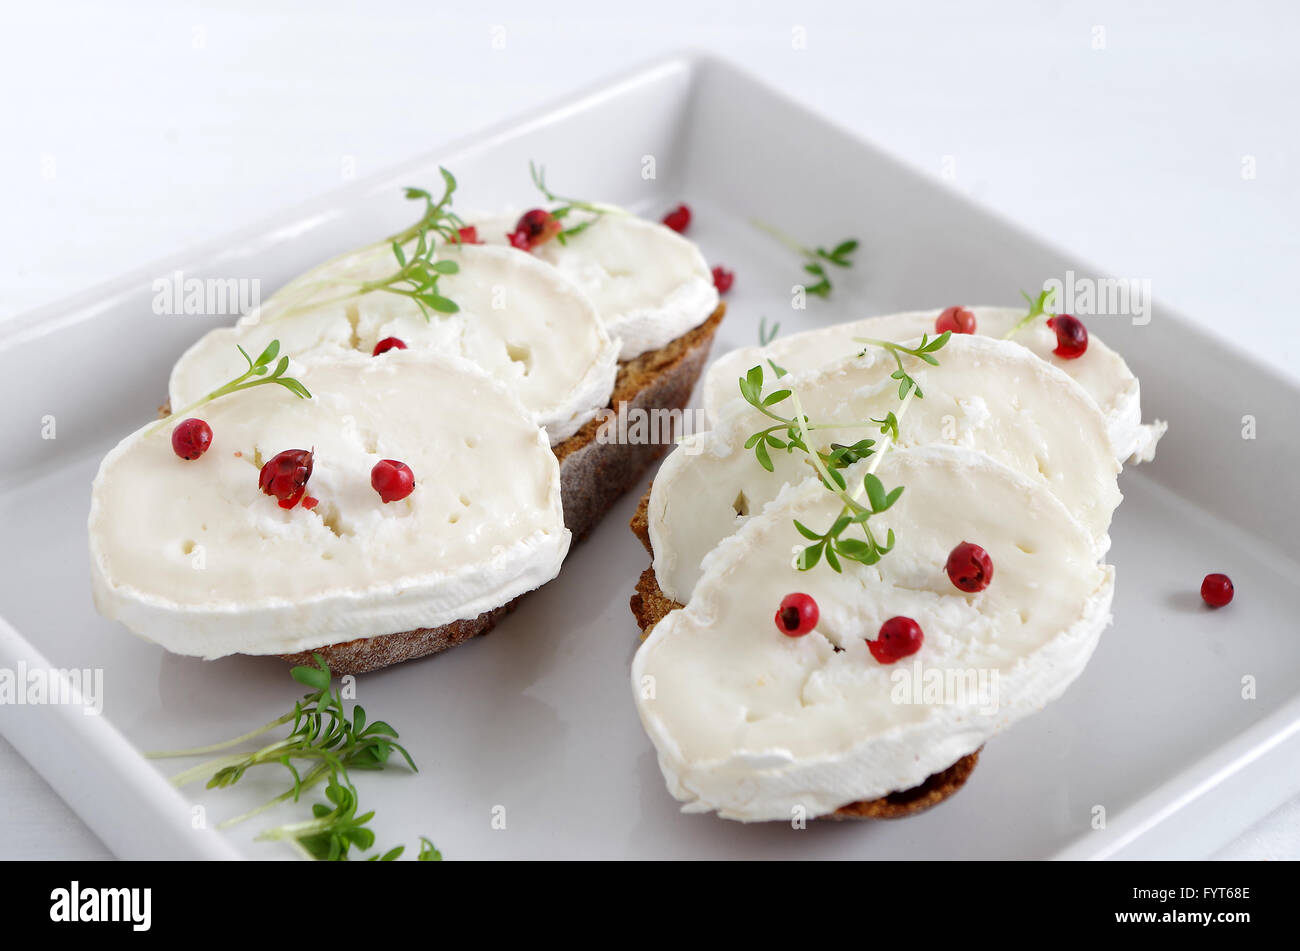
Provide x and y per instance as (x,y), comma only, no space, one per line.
(889,345)
(208,767)
(784,238)
(240,383)
(887,440)
(267,754)
(813,457)
(1021,325)
(224,744)
(311,779)
(1037,308)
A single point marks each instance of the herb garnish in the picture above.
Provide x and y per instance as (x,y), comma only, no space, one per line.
(329,742)
(568,205)
(258,372)
(1037,308)
(813,258)
(794,430)
(417,271)
(831,543)
(923,351)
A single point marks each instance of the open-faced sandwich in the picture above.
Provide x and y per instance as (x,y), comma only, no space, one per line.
(389,498)
(888,548)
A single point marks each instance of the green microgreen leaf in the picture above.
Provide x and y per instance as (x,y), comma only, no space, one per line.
(1037,308)
(812,258)
(566,206)
(256,375)
(414,250)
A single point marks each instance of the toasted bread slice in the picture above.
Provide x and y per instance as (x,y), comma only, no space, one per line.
(649,604)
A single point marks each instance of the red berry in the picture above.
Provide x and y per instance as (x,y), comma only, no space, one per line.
(310,503)
(285,476)
(533,228)
(898,637)
(797,615)
(969,567)
(679,219)
(468,235)
(393,480)
(723,279)
(1216,590)
(956,320)
(1071,336)
(191,438)
(389,343)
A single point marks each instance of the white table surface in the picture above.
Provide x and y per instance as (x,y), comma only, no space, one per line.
(1126,132)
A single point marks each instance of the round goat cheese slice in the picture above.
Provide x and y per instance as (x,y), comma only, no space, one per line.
(1100,371)
(519,320)
(649,284)
(755,725)
(194,556)
(988,395)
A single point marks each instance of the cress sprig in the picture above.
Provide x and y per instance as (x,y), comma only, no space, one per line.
(418,268)
(925,351)
(814,259)
(568,205)
(1037,308)
(832,544)
(327,742)
(417,274)
(259,372)
(794,431)
(438,216)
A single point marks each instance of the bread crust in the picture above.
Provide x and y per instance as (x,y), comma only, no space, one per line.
(593,475)
(649,606)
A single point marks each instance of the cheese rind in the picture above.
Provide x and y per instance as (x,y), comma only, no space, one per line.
(754,725)
(192,555)
(1100,371)
(649,284)
(986,394)
(519,320)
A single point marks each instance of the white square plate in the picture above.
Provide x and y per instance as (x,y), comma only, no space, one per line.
(537,717)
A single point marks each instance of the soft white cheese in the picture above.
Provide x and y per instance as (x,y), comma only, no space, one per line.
(194,556)
(649,284)
(1101,371)
(519,320)
(986,394)
(754,725)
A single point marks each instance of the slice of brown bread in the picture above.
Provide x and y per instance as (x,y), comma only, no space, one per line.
(649,605)
(593,475)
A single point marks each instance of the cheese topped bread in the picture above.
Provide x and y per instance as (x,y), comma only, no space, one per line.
(887,550)
(192,554)
(754,725)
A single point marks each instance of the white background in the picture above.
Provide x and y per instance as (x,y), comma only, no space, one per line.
(1157,140)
